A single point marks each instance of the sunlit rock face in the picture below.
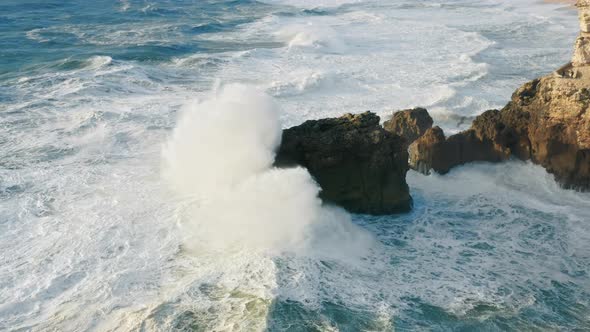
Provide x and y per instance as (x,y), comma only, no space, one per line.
(584,10)
(409,124)
(582,47)
(547,121)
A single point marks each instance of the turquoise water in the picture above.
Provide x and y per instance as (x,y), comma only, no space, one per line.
(93,236)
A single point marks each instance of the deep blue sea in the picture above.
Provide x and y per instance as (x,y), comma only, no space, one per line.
(137,193)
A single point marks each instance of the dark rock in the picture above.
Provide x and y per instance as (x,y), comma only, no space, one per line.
(428,152)
(434,151)
(359,165)
(410,124)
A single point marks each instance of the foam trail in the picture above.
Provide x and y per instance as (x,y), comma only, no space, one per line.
(316,36)
(221,155)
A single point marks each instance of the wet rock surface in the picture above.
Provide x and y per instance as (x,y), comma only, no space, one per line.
(359,165)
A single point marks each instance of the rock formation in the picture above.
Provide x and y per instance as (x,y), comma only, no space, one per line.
(550,121)
(434,151)
(546,121)
(428,153)
(359,165)
(582,48)
(409,124)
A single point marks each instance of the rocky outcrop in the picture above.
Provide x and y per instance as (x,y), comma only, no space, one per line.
(410,124)
(359,165)
(428,152)
(547,121)
(582,47)
(434,151)
(550,121)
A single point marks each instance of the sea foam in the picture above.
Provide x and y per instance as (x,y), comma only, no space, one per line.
(220,157)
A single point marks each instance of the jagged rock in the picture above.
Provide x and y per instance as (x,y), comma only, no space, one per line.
(582,46)
(409,124)
(584,15)
(547,121)
(581,51)
(434,151)
(359,165)
(427,152)
(551,122)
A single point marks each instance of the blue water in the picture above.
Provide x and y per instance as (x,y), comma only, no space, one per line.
(92,237)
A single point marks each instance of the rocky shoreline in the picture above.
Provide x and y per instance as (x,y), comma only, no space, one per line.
(361,165)
(547,121)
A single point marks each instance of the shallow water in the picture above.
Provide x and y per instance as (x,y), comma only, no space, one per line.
(94,237)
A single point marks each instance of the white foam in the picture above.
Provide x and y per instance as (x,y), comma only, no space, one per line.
(99,61)
(243,126)
(221,156)
(125,5)
(311,4)
(316,36)
(355,61)
(300,82)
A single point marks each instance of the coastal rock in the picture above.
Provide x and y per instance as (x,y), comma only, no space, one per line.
(427,152)
(434,151)
(582,46)
(582,51)
(551,123)
(410,124)
(359,165)
(546,121)
(584,15)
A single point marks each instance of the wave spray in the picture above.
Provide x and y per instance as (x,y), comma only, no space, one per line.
(220,157)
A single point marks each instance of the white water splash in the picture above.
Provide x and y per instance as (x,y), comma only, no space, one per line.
(221,156)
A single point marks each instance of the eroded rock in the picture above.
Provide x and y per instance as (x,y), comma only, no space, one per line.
(434,151)
(359,165)
(410,124)
(551,123)
(547,121)
(582,46)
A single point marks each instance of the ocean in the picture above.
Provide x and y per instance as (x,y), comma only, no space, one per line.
(137,191)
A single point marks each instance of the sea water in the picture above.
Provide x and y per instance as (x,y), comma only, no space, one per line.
(137,191)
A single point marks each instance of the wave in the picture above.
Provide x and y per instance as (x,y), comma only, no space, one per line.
(220,156)
(302,82)
(93,63)
(353,60)
(242,220)
(316,36)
